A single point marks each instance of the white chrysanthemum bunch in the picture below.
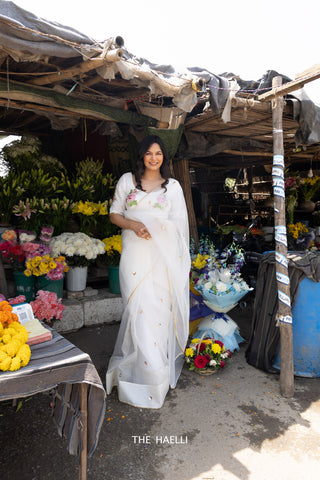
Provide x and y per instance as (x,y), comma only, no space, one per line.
(78,248)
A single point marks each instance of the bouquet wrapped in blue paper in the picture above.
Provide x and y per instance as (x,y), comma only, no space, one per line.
(219,281)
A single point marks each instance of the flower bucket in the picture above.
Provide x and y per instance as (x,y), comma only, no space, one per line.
(24,285)
(55,286)
(114,283)
(307,206)
(76,279)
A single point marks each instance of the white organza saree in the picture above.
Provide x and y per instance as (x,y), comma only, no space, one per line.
(154,280)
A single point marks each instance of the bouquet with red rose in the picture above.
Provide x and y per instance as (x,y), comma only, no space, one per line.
(206,355)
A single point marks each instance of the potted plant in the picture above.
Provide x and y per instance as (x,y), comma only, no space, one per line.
(309,187)
(90,215)
(80,250)
(113,248)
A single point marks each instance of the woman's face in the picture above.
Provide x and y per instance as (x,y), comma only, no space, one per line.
(153,157)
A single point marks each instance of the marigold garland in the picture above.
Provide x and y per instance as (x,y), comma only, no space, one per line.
(14,351)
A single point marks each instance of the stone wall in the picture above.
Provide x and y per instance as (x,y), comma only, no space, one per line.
(93,308)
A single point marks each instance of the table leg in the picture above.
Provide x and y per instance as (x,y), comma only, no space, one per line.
(83,391)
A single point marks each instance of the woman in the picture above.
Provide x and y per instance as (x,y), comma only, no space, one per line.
(154,279)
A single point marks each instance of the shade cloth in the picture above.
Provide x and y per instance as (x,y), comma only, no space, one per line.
(59,363)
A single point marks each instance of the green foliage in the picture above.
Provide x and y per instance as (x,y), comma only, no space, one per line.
(11,191)
(26,154)
(38,191)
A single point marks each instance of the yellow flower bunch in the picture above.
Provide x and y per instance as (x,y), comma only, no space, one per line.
(200,262)
(90,208)
(14,351)
(309,186)
(42,265)
(216,348)
(113,248)
(296,229)
(195,340)
(189,352)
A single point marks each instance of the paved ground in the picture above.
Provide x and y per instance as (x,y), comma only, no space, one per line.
(228,426)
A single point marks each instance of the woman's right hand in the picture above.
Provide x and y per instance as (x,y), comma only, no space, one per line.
(137,227)
(141,230)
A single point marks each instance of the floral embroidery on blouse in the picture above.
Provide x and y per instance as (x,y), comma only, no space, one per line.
(161,202)
(131,198)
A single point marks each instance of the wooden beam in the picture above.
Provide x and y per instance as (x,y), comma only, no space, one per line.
(315,70)
(250,103)
(44,96)
(313,74)
(249,154)
(40,109)
(84,67)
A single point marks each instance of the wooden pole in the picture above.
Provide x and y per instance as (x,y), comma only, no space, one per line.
(282,276)
(181,171)
(83,400)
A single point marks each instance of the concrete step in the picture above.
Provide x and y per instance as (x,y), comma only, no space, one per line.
(91,307)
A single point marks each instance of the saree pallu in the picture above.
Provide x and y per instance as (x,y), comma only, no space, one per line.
(154,280)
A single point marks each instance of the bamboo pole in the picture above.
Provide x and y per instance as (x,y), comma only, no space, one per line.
(282,276)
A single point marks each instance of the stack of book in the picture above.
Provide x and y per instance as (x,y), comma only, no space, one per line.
(37,332)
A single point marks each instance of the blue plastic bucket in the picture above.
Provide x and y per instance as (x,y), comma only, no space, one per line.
(306,331)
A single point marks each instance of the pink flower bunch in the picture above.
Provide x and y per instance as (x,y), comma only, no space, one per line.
(58,272)
(17,300)
(46,234)
(34,249)
(47,306)
(290,182)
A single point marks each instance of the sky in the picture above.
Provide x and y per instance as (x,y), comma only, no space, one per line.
(245,38)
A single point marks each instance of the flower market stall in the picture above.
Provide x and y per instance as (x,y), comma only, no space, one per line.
(98,105)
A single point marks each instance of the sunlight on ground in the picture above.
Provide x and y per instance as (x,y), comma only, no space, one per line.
(293,455)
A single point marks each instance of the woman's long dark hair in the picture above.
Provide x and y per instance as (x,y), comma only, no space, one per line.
(140,167)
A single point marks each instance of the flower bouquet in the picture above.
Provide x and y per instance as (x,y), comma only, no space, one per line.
(113,248)
(205,355)
(79,249)
(220,282)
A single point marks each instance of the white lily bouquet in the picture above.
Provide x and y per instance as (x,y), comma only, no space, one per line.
(219,280)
